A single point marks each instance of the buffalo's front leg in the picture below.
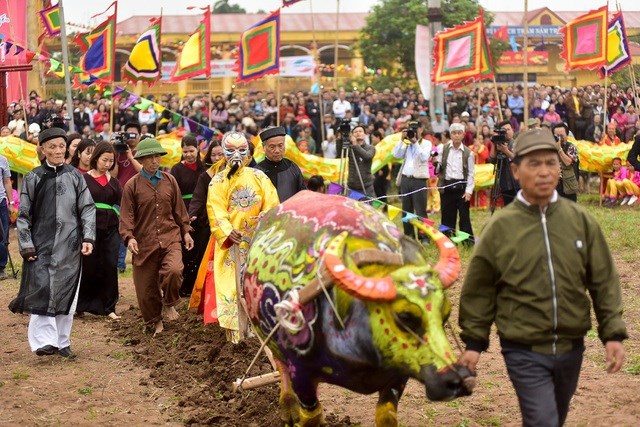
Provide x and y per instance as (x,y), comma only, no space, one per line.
(387,407)
(289,410)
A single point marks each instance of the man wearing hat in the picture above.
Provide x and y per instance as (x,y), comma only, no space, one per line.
(56,226)
(439,125)
(285,175)
(530,273)
(153,224)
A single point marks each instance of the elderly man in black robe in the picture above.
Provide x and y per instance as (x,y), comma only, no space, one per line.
(56,226)
(285,175)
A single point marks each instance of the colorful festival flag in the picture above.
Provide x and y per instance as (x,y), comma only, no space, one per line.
(145,62)
(50,18)
(461,54)
(260,49)
(195,58)
(618,54)
(502,33)
(98,45)
(286,3)
(585,40)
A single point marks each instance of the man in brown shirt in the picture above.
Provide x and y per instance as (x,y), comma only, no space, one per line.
(153,223)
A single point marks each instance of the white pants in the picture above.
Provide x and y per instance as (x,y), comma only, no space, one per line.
(55,331)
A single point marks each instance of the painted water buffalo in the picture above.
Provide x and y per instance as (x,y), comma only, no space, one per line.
(354,303)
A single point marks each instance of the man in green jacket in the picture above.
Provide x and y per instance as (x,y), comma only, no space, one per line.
(530,273)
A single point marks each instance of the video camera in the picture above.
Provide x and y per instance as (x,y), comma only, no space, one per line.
(344,131)
(119,140)
(54,120)
(412,131)
(499,136)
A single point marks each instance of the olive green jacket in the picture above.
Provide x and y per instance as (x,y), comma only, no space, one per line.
(530,273)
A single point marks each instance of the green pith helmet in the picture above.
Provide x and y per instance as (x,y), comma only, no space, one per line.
(149,147)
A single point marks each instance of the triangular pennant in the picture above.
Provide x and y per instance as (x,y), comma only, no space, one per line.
(176,118)
(460,236)
(143,104)
(117,90)
(159,108)
(408,217)
(107,93)
(54,65)
(377,204)
(444,228)
(193,126)
(393,212)
(335,188)
(29,55)
(208,134)
(19,50)
(356,195)
(7,47)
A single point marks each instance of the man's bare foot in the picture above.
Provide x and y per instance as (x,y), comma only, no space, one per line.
(159,327)
(170,313)
(113,316)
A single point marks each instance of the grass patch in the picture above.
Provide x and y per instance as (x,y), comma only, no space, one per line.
(633,365)
(19,374)
(119,355)
(85,391)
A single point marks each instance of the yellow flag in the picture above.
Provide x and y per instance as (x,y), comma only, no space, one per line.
(393,211)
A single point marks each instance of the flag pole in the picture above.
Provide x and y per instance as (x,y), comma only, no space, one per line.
(335,49)
(278,99)
(525,55)
(158,118)
(606,78)
(317,70)
(113,58)
(65,62)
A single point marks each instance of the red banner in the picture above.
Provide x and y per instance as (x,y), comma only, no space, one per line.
(517,58)
(13,28)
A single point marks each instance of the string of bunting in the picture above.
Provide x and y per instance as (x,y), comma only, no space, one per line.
(394,211)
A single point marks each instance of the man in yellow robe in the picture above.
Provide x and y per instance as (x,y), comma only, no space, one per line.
(238,196)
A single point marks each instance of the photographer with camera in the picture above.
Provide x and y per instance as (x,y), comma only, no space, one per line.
(360,157)
(501,156)
(415,153)
(569,171)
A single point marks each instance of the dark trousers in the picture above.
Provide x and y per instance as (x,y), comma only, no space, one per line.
(157,277)
(544,384)
(453,204)
(4,238)
(416,202)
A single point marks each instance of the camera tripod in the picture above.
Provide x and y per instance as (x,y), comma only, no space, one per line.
(495,190)
(343,172)
(5,242)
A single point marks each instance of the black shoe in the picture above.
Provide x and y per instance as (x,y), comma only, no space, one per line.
(47,350)
(66,352)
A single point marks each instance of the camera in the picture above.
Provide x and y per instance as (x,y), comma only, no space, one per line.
(434,153)
(120,140)
(344,129)
(499,137)
(412,131)
(54,120)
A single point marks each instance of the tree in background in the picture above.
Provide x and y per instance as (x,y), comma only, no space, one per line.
(223,6)
(388,38)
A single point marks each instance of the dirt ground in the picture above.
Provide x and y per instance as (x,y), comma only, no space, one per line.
(123,376)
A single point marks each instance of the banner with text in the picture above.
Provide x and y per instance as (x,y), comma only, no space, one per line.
(290,66)
(517,58)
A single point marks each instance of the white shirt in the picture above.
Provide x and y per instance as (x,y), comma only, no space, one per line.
(329,149)
(421,151)
(454,165)
(439,126)
(340,108)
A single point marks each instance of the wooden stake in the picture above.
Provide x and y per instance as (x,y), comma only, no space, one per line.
(242,315)
(278,118)
(495,88)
